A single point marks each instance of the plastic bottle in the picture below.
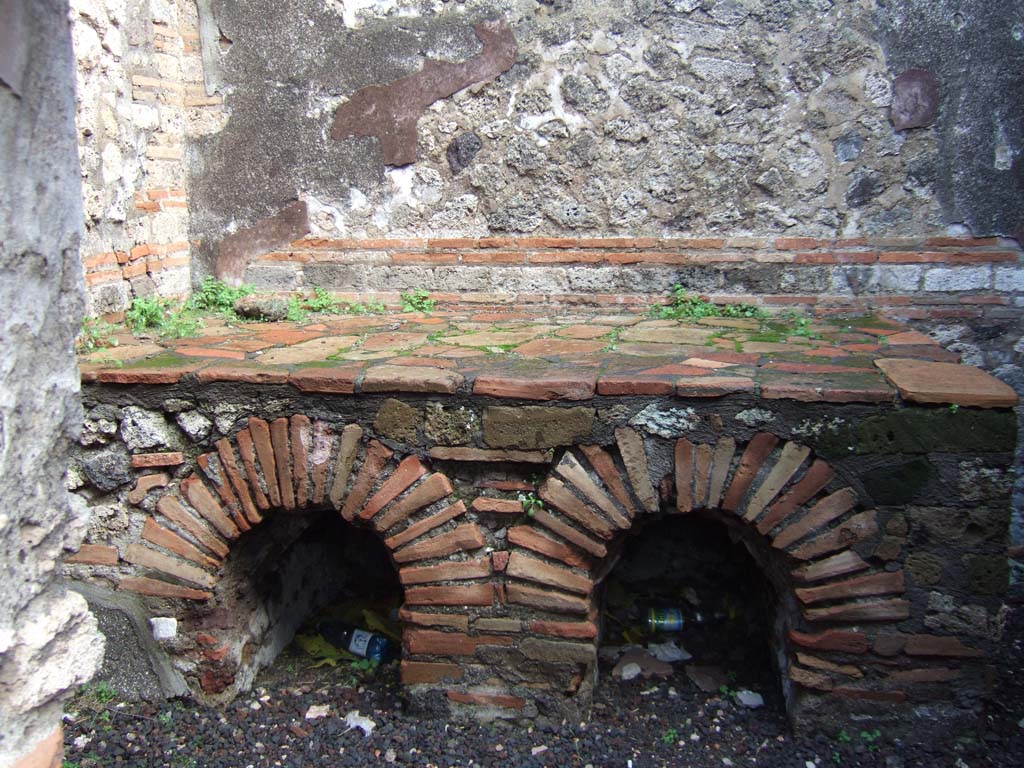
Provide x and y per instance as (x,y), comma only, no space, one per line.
(359,642)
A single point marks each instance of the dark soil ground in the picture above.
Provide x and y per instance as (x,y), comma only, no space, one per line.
(634,724)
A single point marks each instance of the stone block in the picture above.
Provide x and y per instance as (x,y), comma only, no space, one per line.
(535,426)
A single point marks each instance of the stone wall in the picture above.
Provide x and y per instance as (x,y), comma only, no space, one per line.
(48,642)
(881,529)
(140,96)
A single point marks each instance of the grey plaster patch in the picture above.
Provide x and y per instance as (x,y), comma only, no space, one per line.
(666,422)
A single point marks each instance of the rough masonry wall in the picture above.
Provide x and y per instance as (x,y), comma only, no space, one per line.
(140,94)
(48,643)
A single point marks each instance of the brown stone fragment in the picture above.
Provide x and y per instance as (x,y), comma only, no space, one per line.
(145,484)
(810,679)
(93,554)
(455,571)
(432,642)
(205,504)
(634,458)
(814,662)
(465,537)
(301,434)
(570,469)
(417,529)
(144,585)
(499,560)
(852,530)
(837,565)
(604,465)
(279,429)
(171,508)
(247,450)
(889,644)
(546,600)
(528,538)
(428,672)
(144,557)
(521,566)
(701,474)
(407,378)
(880,583)
(260,432)
(471,594)
(814,480)
(790,459)
(683,461)
(498,625)
(555,493)
(872,610)
(497,506)
(922,381)
(566,385)
(236,250)
(409,470)
(925,675)
(487,699)
(453,620)
(433,489)
(583,630)
(556,651)
(376,459)
(827,510)
(482,455)
(724,451)
(350,437)
(320,459)
(155,533)
(936,645)
(845,641)
(758,449)
(165,459)
(570,534)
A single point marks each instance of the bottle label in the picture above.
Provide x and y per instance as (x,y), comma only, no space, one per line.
(359,642)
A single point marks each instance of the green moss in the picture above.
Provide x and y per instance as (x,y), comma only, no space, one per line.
(989,574)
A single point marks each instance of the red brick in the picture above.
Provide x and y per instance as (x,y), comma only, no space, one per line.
(494,257)
(634,458)
(247,451)
(497,506)
(574,473)
(154,587)
(702,474)
(893,609)
(377,457)
(712,386)
(93,554)
(166,459)
(634,384)
(205,504)
(145,484)
(583,630)
(336,381)
(465,537)
(171,508)
(920,381)
(757,451)
(282,461)
(814,480)
(844,536)
(452,571)
(549,242)
(453,620)
(408,472)
(546,600)
(210,464)
(936,645)
(472,594)
(431,642)
(521,566)
(401,378)
(567,386)
(832,640)
(879,583)
(566,257)
(259,430)
(248,374)
(230,354)
(428,672)
(604,465)
(145,557)
(827,510)
(961,242)
(555,493)
(434,488)
(499,560)
(155,533)
(483,455)
(798,243)
(301,435)
(837,565)
(528,538)
(684,475)
(487,700)
(570,534)
(417,529)
(457,243)
(694,243)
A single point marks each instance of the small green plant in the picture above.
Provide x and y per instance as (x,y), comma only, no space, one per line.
(530,503)
(844,737)
(612,339)
(96,334)
(727,691)
(802,325)
(670,736)
(417,301)
(871,738)
(297,312)
(322,301)
(162,316)
(217,297)
(104,693)
(165,718)
(954,408)
(684,305)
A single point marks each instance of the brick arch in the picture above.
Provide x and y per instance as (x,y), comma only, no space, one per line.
(788,499)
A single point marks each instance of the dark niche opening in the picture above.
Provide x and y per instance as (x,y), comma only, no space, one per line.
(692,581)
(299,569)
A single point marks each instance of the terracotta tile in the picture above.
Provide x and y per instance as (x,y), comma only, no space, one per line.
(397,378)
(830,388)
(634,384)
(377,457)
(701,474)
(713,386)
(558,347)
(426,525)
(927,382)
(443,453)
(570,534)
(829,509)
(830,567)
(465,537)
(634,458)
(279,436)
(850,532)
(247,452)
(555,493)
(229,466)
(583,332)
(259,430)
(554,386)
(814,480)
(571,470)
(792,457)
(604,465)
(408,472)
(253,373)
(725,449)
(683,461)
(339,380)
(867,585)
(757,450)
